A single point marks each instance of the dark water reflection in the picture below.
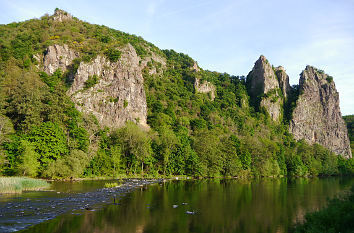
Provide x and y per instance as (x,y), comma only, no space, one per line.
(219,206)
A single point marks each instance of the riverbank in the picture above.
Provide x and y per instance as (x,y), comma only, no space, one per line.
(20,212)
(338,216)
(19,184)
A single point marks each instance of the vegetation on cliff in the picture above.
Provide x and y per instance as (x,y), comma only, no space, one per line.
(42,134)
(349,120)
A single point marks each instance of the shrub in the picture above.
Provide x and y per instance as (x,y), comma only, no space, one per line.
(113,54)
(110,185)
(71,166)
(91,81)
(337,217)
(329,79)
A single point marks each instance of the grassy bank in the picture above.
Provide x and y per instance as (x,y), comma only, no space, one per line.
(337,217)
(19,184)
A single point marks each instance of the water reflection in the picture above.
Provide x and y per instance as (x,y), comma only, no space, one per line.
(219,206)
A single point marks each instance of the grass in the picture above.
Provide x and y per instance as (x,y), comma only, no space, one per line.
(110,185)
(19,184)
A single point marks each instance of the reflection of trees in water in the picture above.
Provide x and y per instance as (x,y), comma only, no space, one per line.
(270,205)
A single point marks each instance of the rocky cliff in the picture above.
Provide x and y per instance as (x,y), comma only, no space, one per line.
(317,117)
(58,57)
(264,88)
(111,91)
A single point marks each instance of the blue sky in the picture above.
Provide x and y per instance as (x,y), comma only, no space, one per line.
(228,36)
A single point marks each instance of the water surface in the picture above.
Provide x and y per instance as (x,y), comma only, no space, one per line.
(224,205)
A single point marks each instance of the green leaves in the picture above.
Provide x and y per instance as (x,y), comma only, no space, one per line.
(49,141)
(113,54)
(91,81)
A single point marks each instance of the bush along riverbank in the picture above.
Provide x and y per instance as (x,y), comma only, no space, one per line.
(19,184)
(337,217)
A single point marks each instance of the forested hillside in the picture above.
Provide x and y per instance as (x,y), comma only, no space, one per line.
(201,131)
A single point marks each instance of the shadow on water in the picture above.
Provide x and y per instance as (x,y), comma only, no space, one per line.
(219,205)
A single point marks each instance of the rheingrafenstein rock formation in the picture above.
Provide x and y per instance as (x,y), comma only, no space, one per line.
(264,89)
(111,91)
(317,117)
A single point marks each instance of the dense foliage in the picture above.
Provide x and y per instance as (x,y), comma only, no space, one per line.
(337,217)
(42,133)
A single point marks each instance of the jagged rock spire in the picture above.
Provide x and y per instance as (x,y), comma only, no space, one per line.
(263,87)
(317,117)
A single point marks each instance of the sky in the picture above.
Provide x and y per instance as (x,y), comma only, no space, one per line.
(228,35)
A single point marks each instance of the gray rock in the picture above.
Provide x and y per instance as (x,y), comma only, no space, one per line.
(58,57)
(317,117)
(119,95)
(204,87)
(283,79)
(60,16)
(264,88)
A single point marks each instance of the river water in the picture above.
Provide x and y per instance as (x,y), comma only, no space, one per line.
(211,205)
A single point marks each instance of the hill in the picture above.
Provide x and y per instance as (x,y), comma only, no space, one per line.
(83,100)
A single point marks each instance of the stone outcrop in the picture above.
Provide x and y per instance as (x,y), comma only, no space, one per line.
(204,87)
(117,93)
(195,67)
(283,79)
(58,57)
(60,15)
(264,89)
(317,117)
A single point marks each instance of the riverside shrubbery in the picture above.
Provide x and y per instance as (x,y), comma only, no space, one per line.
(338,216)
(19,184)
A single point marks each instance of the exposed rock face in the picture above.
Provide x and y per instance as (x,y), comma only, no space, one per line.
(283,79)
(263,87)
(195,67)
(118,94)
(317,117)
(205,87)
(60,15)
(58,56)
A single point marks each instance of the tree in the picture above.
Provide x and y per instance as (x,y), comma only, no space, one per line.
(166,143)
(29,160)
(49,141)
(207,146)
(116,158)
(6,129)
(70,166)
(136,145)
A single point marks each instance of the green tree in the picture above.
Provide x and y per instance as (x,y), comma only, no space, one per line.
(136,145)
(29,160)
(207,146)
(70,166)
(116,154)
(49,141)
(166,143)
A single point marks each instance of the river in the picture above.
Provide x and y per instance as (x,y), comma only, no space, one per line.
(209,205)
